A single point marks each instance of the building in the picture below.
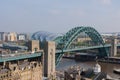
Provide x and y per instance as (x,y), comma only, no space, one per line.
(73,73)
(29,65)
(77,73)
(21,37)
(97,68)
(12,36)
(3,36)
(25,66)
(21,66)
(83,39)
(28,36)
(113,47)
(33,45)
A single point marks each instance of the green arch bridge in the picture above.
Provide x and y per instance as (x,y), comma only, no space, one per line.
(64,42)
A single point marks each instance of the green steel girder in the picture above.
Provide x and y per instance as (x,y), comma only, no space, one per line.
(72,34)
(57,40)
(91,32)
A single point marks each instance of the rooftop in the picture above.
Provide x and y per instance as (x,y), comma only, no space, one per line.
(43,35)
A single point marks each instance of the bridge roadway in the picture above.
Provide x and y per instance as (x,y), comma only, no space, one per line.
(19,56)
(84,48)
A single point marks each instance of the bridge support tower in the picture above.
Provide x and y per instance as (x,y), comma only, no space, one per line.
(114,47)
(49,59)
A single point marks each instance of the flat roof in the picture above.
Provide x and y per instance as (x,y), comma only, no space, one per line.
(22,56)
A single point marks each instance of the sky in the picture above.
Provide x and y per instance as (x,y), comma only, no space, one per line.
(59,16)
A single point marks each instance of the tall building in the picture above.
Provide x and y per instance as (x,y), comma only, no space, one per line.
(28,36)
(12,36)
(3,36)
(49,59)
(114,47)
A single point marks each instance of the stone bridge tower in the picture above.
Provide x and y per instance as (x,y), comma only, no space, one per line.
(49,59)
(114,47)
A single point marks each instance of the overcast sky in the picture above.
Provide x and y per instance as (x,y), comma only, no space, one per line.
(59,16)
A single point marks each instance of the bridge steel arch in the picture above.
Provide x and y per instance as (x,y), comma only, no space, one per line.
(72,34)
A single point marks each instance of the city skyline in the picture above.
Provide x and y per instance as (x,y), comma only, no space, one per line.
(58,16)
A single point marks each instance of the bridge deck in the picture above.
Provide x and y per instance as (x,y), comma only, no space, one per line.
(84,48)
(18,57)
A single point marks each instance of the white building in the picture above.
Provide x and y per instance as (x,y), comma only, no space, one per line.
(21,37)
(97,68)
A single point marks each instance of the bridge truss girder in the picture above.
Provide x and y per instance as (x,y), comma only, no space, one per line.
(72,34)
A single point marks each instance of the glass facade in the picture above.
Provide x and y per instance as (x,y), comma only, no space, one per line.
(42,35)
